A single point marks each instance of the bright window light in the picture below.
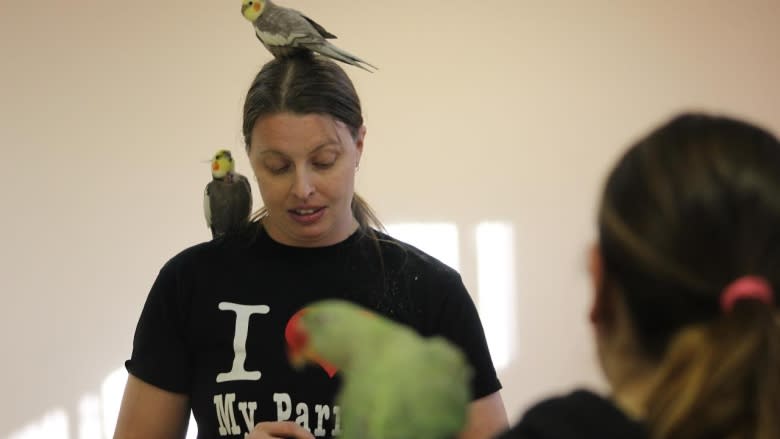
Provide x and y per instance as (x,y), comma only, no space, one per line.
(89,418)
(53,425)
(439,240)
(111,398)
(496,288)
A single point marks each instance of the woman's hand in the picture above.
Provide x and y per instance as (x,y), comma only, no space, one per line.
(278,430)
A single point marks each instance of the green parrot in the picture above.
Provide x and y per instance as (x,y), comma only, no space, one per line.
(227,200)
(396,384)
(284,31)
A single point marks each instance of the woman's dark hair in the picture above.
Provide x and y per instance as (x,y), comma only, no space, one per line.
(689,209)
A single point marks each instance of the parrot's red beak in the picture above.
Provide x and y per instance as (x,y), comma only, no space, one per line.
(297,341)
(299,351)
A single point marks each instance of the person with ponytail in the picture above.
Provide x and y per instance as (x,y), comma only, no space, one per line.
(211,337)
(685,274)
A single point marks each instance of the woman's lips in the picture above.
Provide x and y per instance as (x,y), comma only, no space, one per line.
(307,215)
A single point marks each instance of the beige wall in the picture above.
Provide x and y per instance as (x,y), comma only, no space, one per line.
(500,110)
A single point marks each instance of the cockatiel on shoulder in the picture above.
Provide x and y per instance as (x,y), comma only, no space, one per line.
(227,201)
(396,384)
(284,31)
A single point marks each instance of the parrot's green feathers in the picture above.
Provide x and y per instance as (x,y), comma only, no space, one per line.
(396,383)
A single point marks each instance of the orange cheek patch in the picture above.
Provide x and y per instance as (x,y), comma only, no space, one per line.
(256,6)
(215,166)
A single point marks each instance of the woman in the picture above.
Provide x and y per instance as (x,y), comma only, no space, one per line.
(211,335)
(685,278)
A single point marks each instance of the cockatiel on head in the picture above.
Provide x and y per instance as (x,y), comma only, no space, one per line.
(227,201)
(284,31)
(396,384)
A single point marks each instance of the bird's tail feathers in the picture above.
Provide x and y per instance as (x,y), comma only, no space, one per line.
(334,52)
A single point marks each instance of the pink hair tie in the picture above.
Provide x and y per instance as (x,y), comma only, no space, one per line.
(746,288)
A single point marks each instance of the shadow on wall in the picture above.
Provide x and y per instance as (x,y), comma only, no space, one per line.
(489,256)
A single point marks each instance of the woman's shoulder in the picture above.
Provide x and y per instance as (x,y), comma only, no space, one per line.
(205,253)
(581,414)
(411,256)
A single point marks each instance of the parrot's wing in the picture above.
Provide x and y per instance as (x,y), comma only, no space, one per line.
(321,30)
(415,387)
(286,27)
(244,181)
(357,403)
(247,202)
(439,380)
(207,205)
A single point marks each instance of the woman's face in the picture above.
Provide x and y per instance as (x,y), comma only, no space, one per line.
(305,169)
(617,346)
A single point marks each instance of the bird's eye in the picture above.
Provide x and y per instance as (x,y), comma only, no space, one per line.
(322,319)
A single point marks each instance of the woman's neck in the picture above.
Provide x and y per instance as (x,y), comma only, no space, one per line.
(631,387)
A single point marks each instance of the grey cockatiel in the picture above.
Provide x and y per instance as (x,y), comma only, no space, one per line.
(227,201)
(284,31)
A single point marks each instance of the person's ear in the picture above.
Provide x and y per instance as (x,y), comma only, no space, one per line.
(602,310)
(359,140)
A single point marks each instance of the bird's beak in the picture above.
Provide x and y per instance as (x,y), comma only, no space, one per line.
(299,357)
(244,7)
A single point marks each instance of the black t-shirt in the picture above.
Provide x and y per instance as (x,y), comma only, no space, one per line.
(579,415)
(213,324)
